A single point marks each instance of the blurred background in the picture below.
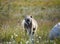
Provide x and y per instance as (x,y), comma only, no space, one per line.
(46,13)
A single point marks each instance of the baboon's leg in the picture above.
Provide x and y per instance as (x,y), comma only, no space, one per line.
(29,31)
(25,26)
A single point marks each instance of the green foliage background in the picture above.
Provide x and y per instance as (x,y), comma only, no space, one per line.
(46,12)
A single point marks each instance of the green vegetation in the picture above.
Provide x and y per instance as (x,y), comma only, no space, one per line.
(47,14)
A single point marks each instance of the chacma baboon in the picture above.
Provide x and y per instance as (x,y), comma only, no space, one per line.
(29,24)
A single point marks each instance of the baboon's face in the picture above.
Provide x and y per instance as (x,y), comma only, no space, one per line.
(28,19)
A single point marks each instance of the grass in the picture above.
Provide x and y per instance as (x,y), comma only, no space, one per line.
(46,14)
(14,34)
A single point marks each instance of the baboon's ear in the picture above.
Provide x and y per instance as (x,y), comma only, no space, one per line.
(31,16)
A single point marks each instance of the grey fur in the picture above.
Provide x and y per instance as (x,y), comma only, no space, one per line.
(29,24)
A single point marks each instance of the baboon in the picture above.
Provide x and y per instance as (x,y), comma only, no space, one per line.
(29,24)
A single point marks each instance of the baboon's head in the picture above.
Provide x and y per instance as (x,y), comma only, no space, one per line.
(28,19)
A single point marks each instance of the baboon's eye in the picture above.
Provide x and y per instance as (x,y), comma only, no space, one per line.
(27,19)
